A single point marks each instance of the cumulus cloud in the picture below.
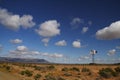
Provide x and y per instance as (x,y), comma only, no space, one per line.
(1,47)
(22,48)
(111,52)
(117,47)
(76,44)
(14,21)
(61,43)
(76,22)
(45,41)
(24,52)
(90,23)
(26,21)
(49,29)
(83,58)
(55,55)
(16,41)
(110,32)
(84,29)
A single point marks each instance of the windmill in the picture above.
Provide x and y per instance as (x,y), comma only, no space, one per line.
(93,52)
(1,47)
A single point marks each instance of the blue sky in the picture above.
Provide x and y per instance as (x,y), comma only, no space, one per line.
(60,30)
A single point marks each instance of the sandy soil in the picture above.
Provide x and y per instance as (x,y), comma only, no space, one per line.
(16,68)
(7,76)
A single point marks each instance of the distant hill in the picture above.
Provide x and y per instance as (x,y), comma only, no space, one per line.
(23,60)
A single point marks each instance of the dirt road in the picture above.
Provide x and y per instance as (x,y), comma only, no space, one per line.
(7,76)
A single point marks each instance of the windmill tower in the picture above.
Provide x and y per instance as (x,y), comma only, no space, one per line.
(93,52)
(1,47)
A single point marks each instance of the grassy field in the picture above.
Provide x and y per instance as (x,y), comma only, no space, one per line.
(24,71)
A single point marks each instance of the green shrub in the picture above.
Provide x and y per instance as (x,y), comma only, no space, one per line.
(51,67)
(117,69)
(75,69)
(115,74)
(65,69)
(37,76)
(8,68)
(39,68)
(104,74)
(51,77)
(107,73)
(22,72)
(85,70)
(59,78)
(67,74)
(27,73)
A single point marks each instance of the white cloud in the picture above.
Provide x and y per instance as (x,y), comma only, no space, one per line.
(24,52)
(83,58)
(16,41)
(45,54)
(55,55)
(117,47)
(26,21)
(76,21)
(111,52)
(14,21)
(16,52)
(61,43)
(84,29)
(45,41)
(90,23)
(110,32)
(35,52)
(1,47)
(22,48)
(49,29)
(76,44)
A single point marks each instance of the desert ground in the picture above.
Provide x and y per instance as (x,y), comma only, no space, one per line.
(29,71)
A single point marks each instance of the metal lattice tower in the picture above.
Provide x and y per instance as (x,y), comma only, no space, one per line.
(93,52)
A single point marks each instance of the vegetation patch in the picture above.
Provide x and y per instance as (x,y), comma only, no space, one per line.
(37,76)
(26,73)
(75,69)
(65,69)
(51,67)
(107,73)
(85,70)
(51,77)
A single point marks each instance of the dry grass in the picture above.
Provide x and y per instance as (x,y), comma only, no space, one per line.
(56,71)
